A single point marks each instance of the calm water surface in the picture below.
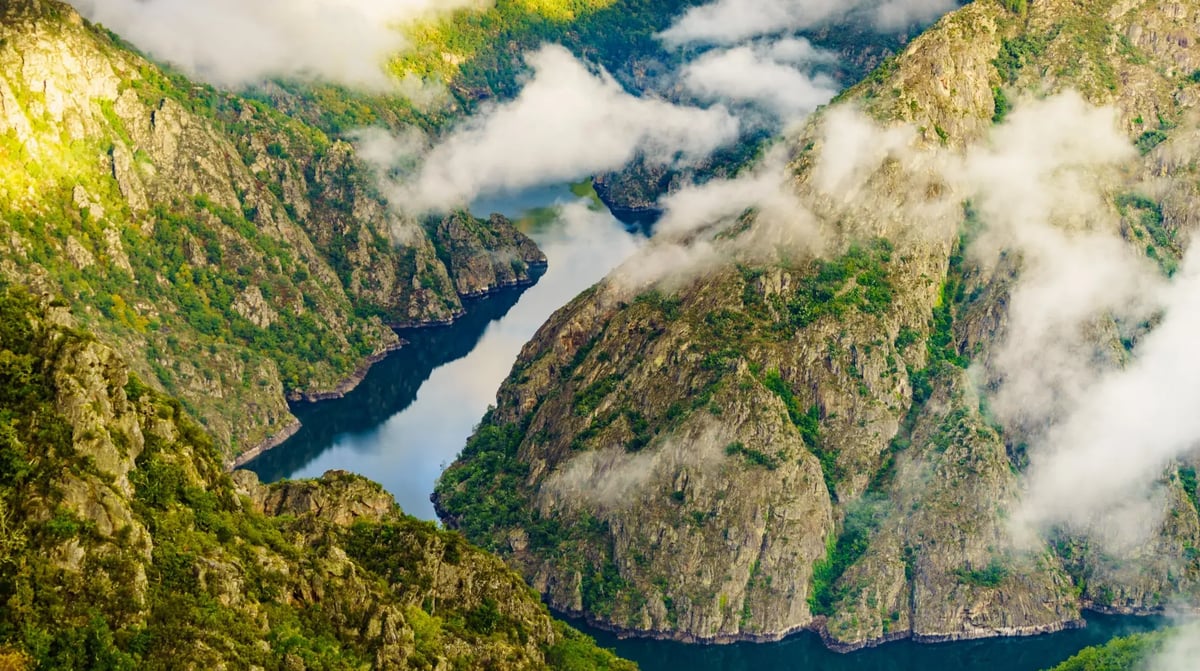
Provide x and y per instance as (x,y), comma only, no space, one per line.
(805,652)
(416,409)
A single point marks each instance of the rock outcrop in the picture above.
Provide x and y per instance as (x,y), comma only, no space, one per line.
(485,256)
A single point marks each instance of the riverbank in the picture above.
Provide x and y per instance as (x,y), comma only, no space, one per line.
(804,650)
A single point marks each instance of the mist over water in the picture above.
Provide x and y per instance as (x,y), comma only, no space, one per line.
(414,412)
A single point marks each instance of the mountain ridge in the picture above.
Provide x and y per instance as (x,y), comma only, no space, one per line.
(177,218)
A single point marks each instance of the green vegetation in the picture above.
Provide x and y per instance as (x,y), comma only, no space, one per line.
(1130,653)
(483,491)
(1145,218)
(1147,141)
(1187,478)
(591,396)
(754,457)
(862,519)
(1018,52)
(1001,105)
(809,424)
(586,190)
(486,47)
(856,281)
(989,576)
(185,572)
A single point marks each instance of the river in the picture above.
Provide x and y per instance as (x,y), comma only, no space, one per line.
(415,410)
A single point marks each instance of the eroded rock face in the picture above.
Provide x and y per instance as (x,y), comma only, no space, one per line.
(485,256)
(217,234)
(788,443)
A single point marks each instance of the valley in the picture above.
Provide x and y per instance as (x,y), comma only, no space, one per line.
(825,335)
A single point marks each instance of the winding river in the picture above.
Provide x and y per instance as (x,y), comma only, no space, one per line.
(415,410)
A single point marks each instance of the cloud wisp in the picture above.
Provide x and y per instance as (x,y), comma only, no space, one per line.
(233,43)
(567,123)
(725,22)
(772,76)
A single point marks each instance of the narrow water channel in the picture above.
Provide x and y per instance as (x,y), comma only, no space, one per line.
(415,410)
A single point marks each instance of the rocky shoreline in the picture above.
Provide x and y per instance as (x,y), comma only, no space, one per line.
(352,381)
(818,628)
(344,387)
(536,270)
(267,445)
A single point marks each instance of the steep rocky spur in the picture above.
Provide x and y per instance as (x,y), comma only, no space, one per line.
(795,441)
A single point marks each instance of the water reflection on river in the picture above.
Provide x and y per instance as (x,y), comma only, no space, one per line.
(415,411)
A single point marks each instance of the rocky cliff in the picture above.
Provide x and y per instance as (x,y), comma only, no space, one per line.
(795,442)
(484,256)
(125,544)
(233,255)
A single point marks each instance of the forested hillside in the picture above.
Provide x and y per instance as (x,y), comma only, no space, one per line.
(236,257)
(124,544)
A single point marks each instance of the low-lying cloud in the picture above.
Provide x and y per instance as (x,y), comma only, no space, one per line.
(1103,425)
(733,21)
(1180,652)
(238,42)
(567,123)
(1102,430)
(772,76)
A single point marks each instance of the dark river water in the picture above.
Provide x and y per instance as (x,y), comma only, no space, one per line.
(415,410)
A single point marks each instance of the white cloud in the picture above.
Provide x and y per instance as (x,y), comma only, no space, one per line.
(1102,431)
(769,76)
(567,123)
(237,42)
(1181,651)
(734,21)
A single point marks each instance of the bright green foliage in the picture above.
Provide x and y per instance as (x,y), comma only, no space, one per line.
(1001,105)
(856,280)
(576,652)
(1129,653)
(1016,53)
(1145,217)
(1187,478)
(483,491)
(1147,141)
(488,45)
